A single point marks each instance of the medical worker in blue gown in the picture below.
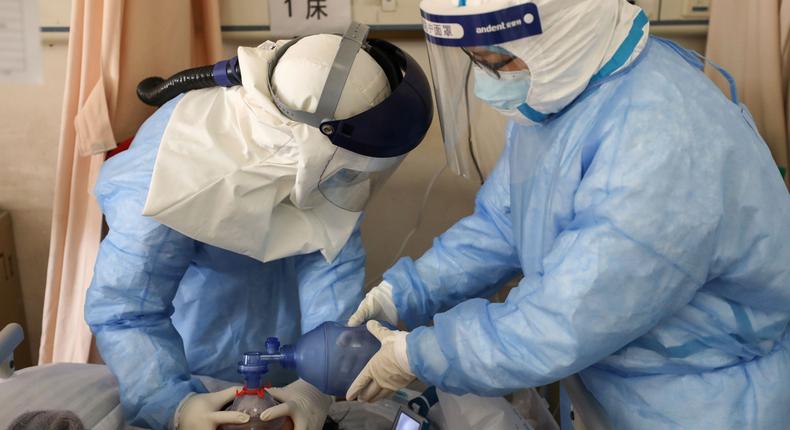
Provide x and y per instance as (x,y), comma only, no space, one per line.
(231,221)
(641,206)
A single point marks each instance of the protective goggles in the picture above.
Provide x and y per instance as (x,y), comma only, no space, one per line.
(370,145)
(459,38)
(482,58)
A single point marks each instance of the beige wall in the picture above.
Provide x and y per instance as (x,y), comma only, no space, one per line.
(29,126)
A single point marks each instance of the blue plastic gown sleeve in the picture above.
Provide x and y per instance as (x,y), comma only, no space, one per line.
(636,250)
(474,258)
(129,302)
(331,291)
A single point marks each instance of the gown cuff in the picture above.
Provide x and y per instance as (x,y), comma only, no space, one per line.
(426,359)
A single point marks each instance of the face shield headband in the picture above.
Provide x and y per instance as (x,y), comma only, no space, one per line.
(369,146)
(390,129)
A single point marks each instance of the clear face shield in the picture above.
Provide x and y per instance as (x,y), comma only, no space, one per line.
(368,146)
(461,39)
(350,179)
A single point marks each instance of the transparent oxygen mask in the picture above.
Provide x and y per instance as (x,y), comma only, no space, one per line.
(253,398)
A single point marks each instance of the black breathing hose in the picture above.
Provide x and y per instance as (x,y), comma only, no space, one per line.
(156,91)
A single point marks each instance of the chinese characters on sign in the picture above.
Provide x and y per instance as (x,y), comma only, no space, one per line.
(315,8)
(300,17)
(443,30)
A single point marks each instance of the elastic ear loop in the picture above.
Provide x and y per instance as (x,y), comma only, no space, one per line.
(727,76)
(698,60)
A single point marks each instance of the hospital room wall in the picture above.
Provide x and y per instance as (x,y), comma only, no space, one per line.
(29,128)
(29,131)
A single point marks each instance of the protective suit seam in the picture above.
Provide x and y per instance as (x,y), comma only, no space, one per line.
(306,316)
(655,253)
(460,269)
(492,327)
(353,267)
(335,268)
(128,321)
(116,248)
(433,332)
(614,159)
(492,212)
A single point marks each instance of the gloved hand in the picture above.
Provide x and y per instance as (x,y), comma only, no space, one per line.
(377,305)
(387,371)
(306,406)
(204,411)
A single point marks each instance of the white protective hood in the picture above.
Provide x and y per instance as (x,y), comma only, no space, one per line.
(235,173)
(579,37)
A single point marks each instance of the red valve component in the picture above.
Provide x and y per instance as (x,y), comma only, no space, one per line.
(260,392)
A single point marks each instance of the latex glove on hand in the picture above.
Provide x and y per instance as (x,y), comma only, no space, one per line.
(377,305)
(388,370)
(204,411)
(299,400)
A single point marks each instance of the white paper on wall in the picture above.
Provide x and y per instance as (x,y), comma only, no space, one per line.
(302,17)
(20,43)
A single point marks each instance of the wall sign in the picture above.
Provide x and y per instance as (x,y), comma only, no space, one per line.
(302,17)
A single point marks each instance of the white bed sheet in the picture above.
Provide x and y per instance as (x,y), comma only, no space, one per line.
(91,392)
(88,390)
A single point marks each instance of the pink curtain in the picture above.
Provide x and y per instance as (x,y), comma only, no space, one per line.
(751,39)
(113,44)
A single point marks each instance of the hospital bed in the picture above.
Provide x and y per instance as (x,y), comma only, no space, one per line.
(88,390)
(91,392)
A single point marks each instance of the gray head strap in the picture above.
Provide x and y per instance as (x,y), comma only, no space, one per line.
(350,45)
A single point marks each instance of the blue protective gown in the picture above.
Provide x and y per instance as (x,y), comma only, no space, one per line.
(164,307)
(652,229)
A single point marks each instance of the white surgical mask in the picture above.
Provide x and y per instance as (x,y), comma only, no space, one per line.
(503,93)
(506,93)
